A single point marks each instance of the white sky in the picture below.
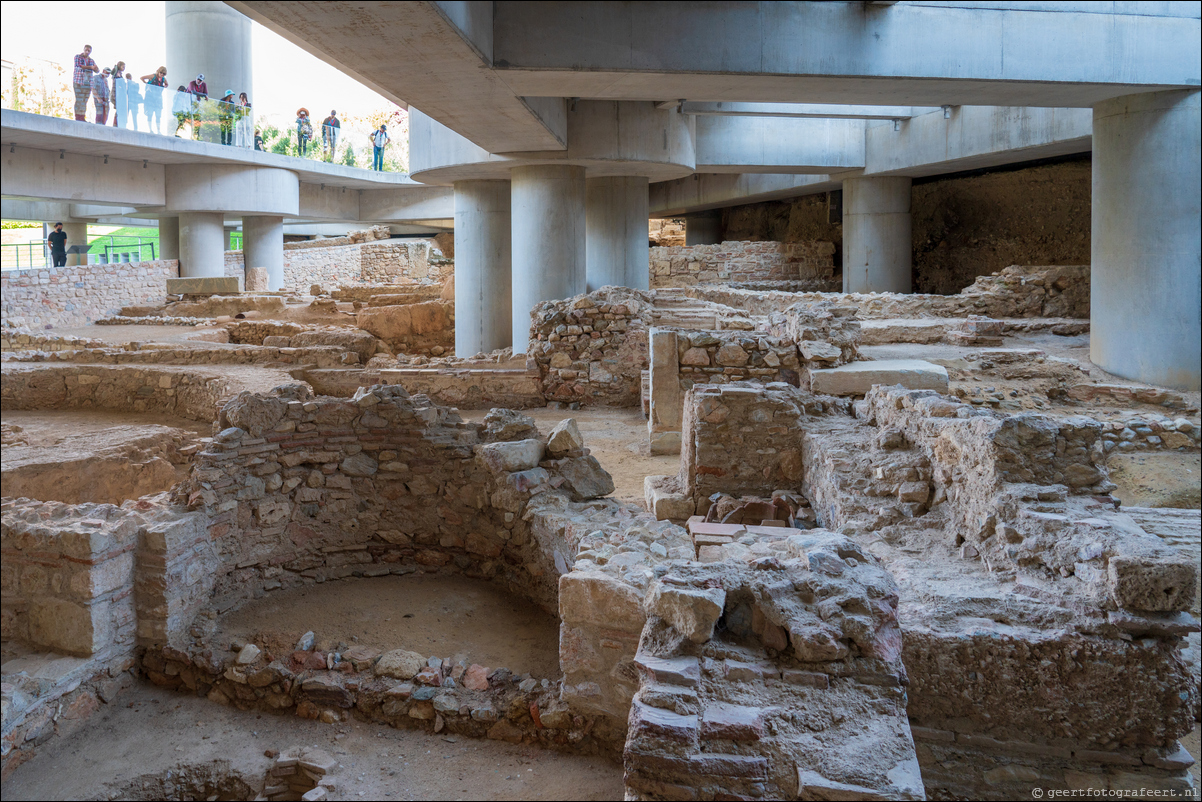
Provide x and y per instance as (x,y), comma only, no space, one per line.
(135,33)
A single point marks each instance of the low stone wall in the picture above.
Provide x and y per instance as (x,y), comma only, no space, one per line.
(1016,292)
(324,356)
(26,340)
(685,265)
(463,388)
(592,349)
(62,297)
(124,389)
(340,261)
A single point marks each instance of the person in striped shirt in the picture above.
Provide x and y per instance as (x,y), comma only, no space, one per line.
(81,81)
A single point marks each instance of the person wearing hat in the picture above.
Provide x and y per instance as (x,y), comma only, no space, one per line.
(198,87)
(330,128)
(226,111)
(379,140)
(304,130)
(100,97)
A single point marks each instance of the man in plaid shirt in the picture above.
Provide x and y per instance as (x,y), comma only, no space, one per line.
(81,81)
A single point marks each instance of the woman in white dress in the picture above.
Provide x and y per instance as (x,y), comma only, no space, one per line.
(244,129)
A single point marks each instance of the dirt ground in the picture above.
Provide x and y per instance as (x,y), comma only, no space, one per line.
(616,437)
(455,617)
(1151,479)
(148,730)
(51,428)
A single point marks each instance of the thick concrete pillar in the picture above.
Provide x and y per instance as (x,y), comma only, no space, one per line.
(483,297)
(1145,291)
(703,228)
(548,226)
(201,245)
(616,246)
(168,237)
(876,235)
(263,246)
(77,234)
(212,38)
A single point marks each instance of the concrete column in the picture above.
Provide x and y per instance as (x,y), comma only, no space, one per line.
(483,298)
(876,234)
(1145,291)
(548,240)
(168,237)
(228,236)
(77,234)
(704,228)
(616,246)
(210,38)
(263,246)
(201,245)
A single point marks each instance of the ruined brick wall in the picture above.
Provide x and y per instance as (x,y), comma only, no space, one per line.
(592,349)
(721,357)
(666,232)
(68,576)
(61,297)
(122,388)
(26,340)
(681,266)
(344,261)
(1016,292)
(963,227)
(744,439)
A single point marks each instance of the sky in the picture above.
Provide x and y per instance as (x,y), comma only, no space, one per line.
(135,32)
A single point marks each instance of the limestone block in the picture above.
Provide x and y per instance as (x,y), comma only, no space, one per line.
(695,357)
(665,442)
(565,437)
(256,279)
(600,599)
(819,351)
(212,285)
(64,626)
(400,664)
(1153,582)
(731,356)
(518,455)
(664,503)
(691,611)
(857,378)
(585,478)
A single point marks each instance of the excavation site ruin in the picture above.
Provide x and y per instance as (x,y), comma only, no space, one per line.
(684,424)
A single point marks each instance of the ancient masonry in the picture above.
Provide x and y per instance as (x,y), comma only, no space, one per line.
(867,577)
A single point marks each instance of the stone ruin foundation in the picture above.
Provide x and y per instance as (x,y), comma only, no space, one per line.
(847,588)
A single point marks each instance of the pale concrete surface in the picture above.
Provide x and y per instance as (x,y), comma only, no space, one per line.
(876,235)
(483,313)
(617,251)
(857,378)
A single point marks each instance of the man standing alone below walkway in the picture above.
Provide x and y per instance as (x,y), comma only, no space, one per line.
(81,82)
(58,245)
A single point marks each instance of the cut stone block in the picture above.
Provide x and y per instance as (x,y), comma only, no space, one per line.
(665,442)
(211,285)
(664,502)
(857,378)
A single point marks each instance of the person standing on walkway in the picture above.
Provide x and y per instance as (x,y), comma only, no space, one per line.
(226,116)
(181,107)
(58,245)
(304,130)
(198,88)
(330,128)
(120,95)
(379,141)
(244,128)
(156,86)
(81,82)
(101,95)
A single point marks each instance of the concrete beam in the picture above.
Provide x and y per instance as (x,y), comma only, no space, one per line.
(436,56)
(716,191)
(828,111)
(406,204)
(918,53)
(778,145)
(61,176)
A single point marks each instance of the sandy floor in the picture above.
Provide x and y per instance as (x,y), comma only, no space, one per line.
(102,428)
(616,437)
(434,616)
(164,729)
(1150,479)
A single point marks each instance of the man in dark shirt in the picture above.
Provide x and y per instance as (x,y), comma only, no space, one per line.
(58,245)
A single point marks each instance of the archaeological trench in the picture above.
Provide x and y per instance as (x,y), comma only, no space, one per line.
(846,547)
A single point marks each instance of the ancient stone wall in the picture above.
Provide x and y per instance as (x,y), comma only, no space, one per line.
(681,266)
(341,261)
(592,349)
(61,297)
(201,354)
(963,227)
(26,340)
(125,389)
(68,576)
(1015,292)
(666,232)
